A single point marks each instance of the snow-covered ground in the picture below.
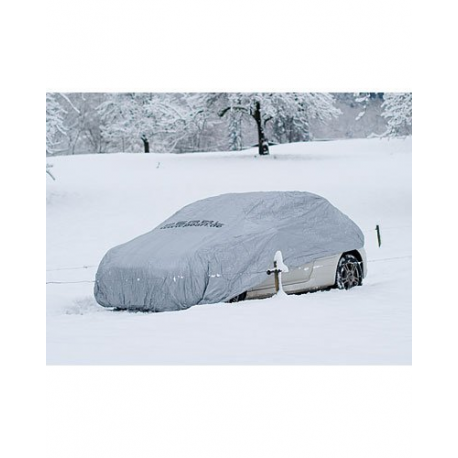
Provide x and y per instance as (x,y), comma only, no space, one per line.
(99,201)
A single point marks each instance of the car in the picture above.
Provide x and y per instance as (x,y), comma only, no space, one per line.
(342,271)
(222,249)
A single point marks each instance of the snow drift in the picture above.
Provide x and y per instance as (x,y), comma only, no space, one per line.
(217,248)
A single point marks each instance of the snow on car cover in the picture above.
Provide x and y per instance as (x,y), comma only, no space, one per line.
(215,249)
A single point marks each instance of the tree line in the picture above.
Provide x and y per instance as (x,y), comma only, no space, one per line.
(188,122)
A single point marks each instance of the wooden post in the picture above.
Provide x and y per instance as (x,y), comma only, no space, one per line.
(277,283)
(377,228)
(276,271)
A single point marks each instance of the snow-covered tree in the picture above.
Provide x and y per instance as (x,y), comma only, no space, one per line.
(361,116)
(186,124)
(363,99)
(251,105)
(295,111)
(235,122)
(124,120)
(397,109)
(289,112)
(160,121)
(83,122)
(55,129)
(66,119)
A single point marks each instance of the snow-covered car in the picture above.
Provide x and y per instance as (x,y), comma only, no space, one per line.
(221,249)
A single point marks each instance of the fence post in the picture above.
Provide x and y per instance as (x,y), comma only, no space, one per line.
(277,283)
(377,228)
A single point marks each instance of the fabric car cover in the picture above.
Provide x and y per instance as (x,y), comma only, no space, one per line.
(215,249)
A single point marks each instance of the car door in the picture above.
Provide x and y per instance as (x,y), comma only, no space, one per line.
(298,275)
(294,280)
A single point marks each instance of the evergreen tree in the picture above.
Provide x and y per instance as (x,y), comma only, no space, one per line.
(397,109)
(235,123)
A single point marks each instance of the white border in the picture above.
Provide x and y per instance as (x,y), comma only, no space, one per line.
(228,411)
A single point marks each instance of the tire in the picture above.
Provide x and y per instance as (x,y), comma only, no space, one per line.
(348,272)
(240,297)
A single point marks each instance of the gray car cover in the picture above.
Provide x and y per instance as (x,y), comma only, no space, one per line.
(215,249)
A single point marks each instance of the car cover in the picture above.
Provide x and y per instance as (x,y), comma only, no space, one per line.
(217,248)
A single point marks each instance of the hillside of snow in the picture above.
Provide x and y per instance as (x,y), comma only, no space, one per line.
(99,201)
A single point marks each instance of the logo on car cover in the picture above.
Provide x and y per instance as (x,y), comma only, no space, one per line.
(195,223)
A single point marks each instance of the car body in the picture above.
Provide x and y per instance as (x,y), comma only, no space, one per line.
(316,275)
(220,249)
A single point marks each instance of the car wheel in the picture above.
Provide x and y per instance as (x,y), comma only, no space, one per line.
(240,297)
(348,273)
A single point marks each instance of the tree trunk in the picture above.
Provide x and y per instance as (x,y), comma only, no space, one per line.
(75,142)
(262,142)
(145,143)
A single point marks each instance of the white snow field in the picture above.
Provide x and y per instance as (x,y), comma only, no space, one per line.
(99,201)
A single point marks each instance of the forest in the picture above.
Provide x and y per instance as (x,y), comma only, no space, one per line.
(95,123)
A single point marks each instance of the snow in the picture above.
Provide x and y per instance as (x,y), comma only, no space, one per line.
(280,264)
(282,267)
(99,201)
